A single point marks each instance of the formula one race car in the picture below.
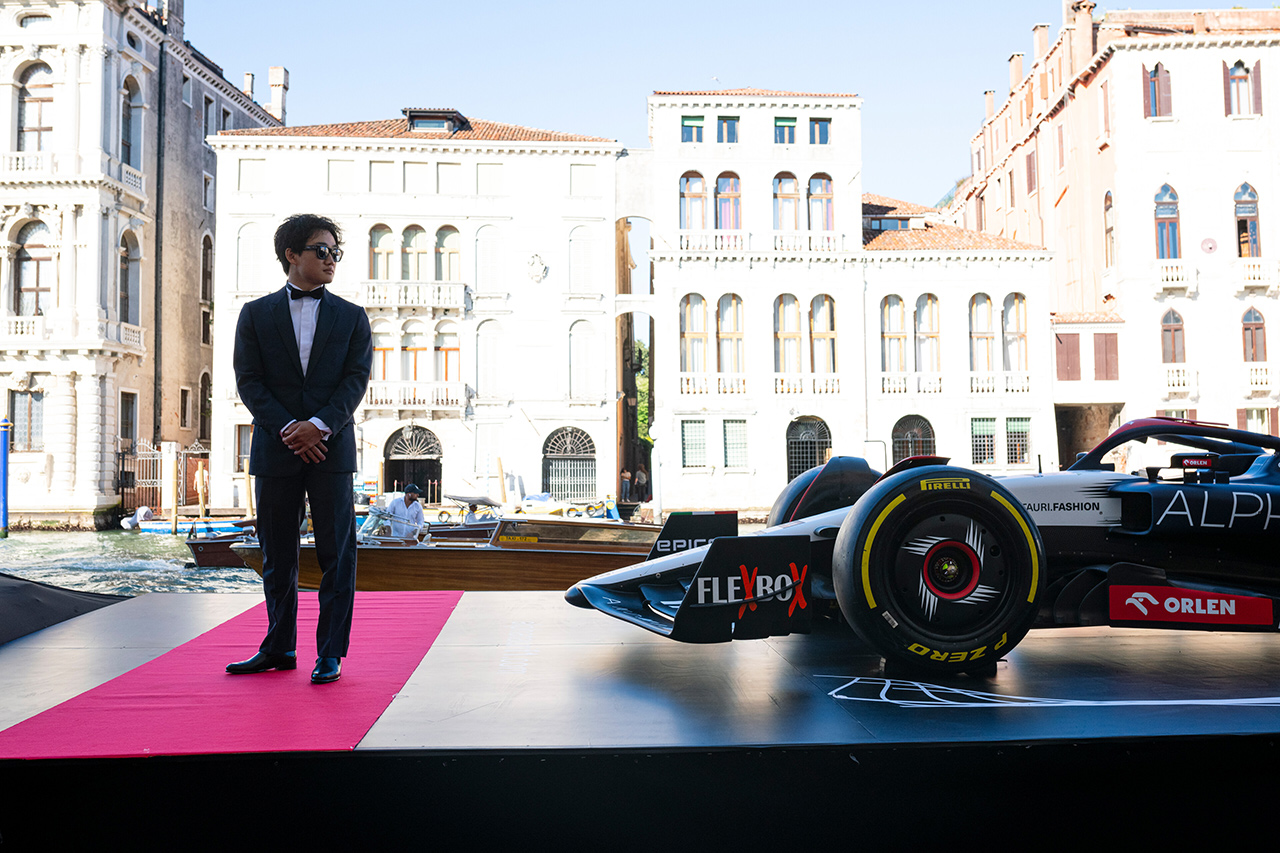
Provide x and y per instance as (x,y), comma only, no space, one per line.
(945,568)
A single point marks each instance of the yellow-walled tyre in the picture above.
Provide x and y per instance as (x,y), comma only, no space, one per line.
(939,568)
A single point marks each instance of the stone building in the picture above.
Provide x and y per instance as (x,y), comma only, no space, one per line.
(484,254)
(107,199)
(1141,148)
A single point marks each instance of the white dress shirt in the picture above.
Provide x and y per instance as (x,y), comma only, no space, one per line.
(406,519)
(304,312)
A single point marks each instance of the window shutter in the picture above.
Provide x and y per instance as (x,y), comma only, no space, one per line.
(1166,93)
(1275,426)
(1257,87)
(1068,356)
(1146,93)
(1226,89)
(1241,418)
(1191,414)
(1105,362)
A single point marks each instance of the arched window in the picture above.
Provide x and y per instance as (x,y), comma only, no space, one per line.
(35,108)
(693,334)
(414,454)
(448,256)
(821,212)
(893,335)
(583,362)
(580,249)
(808,440)
(1255,335)
(129,149)
(206,290)
(981,335)
(786,202)
(728,202)
(928,352)
(489,367)
(488,259)
(569,465)
(786,334)
(1242,89)
(913,436)
(34,273)
(1172,341)
(1015,332)
(1247,243)
(415,346)
(381,253)
(205,431)
(415,254)
(693,202)
(448,360)
(732,358)
(384,344)
(256,265)
(822,333)
(1108,231)
(1168,240)
(1157,94)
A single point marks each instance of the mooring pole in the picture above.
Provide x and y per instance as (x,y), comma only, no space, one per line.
(5,427)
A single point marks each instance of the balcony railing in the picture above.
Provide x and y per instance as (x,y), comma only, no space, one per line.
(1254,274)
(1179,380)
(413,294)
(1174,274)
(133,180)
(15,163)
(806,383)
(806,241)
(24,327)
(715,241)
(784,242)
(124,333)
(1257,377)
(893,383)
(386,394)
(929,383)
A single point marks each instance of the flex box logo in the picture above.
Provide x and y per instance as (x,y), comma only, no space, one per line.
(1170,604)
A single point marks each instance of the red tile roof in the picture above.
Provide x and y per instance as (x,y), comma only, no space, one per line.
(934,236)
(1065,317)
(479,130)
(879,205)
(762,93)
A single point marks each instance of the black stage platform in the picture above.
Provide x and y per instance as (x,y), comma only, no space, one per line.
(532,719)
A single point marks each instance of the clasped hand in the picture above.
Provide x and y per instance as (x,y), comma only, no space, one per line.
(304,439)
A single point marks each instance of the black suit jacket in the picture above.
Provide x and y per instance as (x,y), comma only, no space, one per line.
(272,386)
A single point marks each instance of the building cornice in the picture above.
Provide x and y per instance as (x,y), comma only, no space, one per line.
(354,144)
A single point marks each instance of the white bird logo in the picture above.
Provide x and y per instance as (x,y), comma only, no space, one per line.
(1138,597)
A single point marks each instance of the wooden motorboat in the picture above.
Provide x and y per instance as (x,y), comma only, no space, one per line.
(516,554)
(215,551)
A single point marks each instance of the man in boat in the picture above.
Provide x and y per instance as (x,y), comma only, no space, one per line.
(302,359)
(406,514)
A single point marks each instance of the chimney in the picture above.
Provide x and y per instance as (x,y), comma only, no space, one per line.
(279,77)
(1082,38)
(1198,23)
(1015,71)
(990,97)
(1040,32)
(172,13)
(248,84)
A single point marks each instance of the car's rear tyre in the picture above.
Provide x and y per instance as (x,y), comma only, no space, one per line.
(939,568)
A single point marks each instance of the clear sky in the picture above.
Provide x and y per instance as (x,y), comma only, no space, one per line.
(586,67)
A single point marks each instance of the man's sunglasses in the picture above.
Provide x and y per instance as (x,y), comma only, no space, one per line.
(323,252)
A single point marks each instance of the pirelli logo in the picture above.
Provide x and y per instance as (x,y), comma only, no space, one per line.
(944,483)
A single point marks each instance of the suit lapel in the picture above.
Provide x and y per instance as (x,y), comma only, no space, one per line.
(284,325)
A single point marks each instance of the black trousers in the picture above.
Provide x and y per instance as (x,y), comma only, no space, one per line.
(281,511)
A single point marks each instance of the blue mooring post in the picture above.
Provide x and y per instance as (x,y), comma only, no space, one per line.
(5,426)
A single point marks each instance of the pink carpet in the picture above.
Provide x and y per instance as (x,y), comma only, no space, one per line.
(184,703)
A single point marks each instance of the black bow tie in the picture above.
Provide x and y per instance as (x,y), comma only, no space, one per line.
(315,293)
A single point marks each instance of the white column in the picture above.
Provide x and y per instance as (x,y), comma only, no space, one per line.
(90,454)
(62,444)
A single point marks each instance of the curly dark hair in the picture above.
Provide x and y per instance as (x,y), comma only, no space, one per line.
(294,232)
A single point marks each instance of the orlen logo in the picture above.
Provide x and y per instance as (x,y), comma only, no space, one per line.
(944,483)
(1169,604)
(671,546)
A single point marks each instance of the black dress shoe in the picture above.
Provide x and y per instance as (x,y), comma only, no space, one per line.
(263,661)
(327,669)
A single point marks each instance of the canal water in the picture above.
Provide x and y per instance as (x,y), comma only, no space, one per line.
(116,561)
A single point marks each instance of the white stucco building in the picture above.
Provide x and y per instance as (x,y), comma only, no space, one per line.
(484,254)
(1141,148)
(107,215)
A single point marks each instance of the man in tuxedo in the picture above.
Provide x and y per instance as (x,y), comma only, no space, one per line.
(302,361)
